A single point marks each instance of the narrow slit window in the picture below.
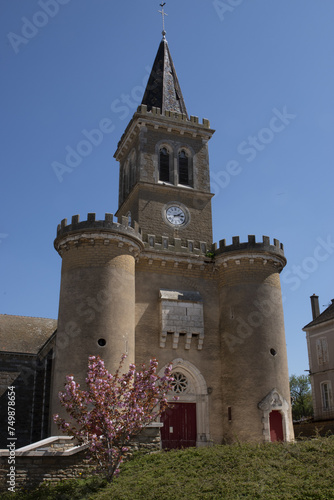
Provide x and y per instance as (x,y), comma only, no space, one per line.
(133,170)
(126,179)
(164,165)
(183,168)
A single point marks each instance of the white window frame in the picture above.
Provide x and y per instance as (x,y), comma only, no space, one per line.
(326,395)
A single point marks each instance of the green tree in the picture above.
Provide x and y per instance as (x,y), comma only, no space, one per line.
(301,396)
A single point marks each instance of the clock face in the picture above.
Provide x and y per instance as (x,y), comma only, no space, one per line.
(175,215)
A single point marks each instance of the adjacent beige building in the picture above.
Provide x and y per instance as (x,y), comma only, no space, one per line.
(320,346)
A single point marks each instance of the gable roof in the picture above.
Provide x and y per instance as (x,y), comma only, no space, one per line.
(326,315)
(23,334)
(163,89)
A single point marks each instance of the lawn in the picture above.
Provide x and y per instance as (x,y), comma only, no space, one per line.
(302,470)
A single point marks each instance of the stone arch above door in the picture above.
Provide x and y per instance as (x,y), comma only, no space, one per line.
(275,401)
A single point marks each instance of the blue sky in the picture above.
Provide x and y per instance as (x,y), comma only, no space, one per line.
(260,70)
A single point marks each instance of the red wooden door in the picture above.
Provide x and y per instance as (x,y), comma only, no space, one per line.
(179,430)
(276,426)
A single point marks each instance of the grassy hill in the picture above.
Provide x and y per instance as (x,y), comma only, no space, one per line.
(302,470)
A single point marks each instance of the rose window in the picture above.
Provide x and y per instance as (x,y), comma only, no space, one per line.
(180,383)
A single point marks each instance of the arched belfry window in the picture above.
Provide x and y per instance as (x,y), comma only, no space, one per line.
(164,174)
(185,177)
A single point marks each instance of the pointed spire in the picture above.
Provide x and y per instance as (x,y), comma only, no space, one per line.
(163,89)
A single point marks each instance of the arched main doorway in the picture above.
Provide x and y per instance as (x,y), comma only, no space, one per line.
(180,429)
(186,421)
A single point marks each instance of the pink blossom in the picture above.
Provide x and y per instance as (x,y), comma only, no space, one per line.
(114,409)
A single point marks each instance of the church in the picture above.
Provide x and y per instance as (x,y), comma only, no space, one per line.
(149,281)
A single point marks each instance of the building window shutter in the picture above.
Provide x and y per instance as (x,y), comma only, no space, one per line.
(322,351)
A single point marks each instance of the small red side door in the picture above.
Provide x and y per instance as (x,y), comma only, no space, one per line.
(276,426)
(179,430)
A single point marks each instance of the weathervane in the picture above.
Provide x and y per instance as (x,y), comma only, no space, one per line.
(163,13)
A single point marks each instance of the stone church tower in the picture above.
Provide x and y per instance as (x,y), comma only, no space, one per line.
(151,283)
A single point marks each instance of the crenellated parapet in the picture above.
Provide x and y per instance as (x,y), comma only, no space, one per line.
(167,121)
(250,247)
(251,244)
(91,230)
(142,109)
(175,245)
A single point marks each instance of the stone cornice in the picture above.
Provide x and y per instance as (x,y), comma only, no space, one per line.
(169,121)
(187,261)
(251,257)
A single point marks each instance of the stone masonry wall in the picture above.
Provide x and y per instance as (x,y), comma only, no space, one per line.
(31,471)
(249,270)
(32,468)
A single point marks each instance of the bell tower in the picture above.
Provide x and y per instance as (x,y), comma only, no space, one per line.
(164,181)
(152,284)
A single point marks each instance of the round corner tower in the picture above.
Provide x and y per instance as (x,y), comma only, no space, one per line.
(97,297)
(255,378)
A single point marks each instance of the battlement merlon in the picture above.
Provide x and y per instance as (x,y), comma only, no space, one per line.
(169,120)
(106,229)
(166,244)
(251,249)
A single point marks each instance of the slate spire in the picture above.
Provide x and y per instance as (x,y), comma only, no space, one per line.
(163,89)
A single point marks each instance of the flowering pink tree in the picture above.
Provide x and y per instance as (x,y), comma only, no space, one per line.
(114,409)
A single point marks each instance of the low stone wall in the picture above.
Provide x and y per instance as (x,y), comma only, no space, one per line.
(50,460)
(148,440)
(31,471)
(54,459)
(311,429)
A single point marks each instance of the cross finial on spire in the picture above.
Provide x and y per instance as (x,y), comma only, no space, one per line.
(163,13)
